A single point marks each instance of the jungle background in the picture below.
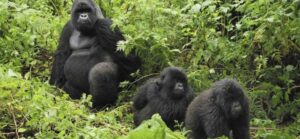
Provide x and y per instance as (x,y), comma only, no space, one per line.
(255,41)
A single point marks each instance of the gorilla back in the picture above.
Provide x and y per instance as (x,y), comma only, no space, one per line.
(86,59)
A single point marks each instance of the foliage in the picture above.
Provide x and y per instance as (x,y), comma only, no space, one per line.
(34,108)
(30,33)
(257,42)
(153,129)
(248,40)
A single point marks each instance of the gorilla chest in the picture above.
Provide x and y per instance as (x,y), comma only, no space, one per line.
(78,65)
(86,53)
(171,109)
(79,41)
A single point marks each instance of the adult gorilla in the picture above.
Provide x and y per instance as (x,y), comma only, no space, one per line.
(86,59)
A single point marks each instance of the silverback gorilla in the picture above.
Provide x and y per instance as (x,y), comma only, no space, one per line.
(168,95)
(86,59)
(218,111)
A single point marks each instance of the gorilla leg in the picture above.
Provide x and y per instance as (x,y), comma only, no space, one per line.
(103,84)
(73,92)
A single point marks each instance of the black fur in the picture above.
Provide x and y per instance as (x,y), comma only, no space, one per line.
(86,59)
(168,95)
(218,111)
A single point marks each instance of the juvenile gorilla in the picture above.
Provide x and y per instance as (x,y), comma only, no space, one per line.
(86,59)
(168,95)
(218,111)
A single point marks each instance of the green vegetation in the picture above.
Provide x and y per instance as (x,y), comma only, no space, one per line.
(257,42)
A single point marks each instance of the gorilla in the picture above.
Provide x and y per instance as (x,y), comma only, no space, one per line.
(221,110)
(168,95)
(86,59)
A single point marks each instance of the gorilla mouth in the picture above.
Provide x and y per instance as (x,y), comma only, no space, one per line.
(84,22)
(178,91)
(179,88)
(84,25)
(235,112)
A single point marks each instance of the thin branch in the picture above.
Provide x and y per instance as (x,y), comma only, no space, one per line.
(9,134)
(143,77)
(258,128)
(54,6)
(15,121)
(295,87)
(112,127)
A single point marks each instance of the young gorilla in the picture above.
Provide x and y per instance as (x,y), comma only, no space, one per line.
(168,95)
(86,59)
(218,111)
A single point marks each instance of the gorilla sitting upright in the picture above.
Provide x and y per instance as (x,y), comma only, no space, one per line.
(221,110)
(86,59)
(168,95)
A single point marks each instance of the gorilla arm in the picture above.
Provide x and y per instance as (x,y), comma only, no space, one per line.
(140,100)
(61,55)
(146,92)
(241,129)
(241,126)
(126,63)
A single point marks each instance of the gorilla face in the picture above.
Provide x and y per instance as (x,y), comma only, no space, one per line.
(174,82)
(233,105)
(230,98)
(84,15)
(235,109)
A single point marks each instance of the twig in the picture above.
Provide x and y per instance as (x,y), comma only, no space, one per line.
(258,128)
(53,4)
(112,127)
(9,134)
(294,45)
(146,76)
(295,87)
(15,121)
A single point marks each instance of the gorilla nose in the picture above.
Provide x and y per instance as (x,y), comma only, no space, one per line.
(236,106)
(83,16)
(179,86)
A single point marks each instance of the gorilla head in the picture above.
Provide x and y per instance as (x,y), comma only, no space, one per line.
(174,82)
(85,14)
(229,97)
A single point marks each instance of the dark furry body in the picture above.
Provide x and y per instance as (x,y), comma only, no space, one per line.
(152,98)
(207,114)
(86,60)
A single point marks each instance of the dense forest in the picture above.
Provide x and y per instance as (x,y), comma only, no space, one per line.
(257,42)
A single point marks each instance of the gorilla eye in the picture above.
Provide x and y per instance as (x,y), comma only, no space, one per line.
(181,81)
(84,10)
